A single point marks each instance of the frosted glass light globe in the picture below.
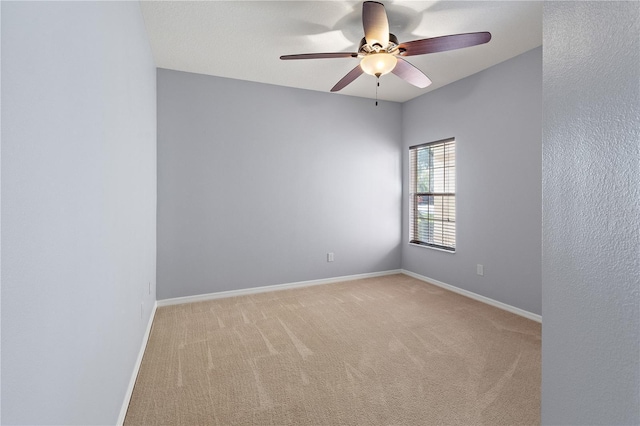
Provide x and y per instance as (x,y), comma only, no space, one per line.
(378,63)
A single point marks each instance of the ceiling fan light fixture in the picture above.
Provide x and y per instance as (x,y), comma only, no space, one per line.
(378,63)
(381,53)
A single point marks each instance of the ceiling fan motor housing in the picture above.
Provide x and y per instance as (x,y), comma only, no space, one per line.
(365,49)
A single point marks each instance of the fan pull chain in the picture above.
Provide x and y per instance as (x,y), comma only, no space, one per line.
(377,85)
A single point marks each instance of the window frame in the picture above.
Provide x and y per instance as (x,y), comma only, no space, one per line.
(414,194)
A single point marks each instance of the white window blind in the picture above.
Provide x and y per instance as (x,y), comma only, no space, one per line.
(432,198)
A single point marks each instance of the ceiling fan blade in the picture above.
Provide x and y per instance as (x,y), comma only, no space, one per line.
(320,55)
(444,43)
(375,23)
(411,74)
(347,79)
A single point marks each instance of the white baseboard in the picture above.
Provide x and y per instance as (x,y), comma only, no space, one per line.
(475,296)
(254,290)
(136,368)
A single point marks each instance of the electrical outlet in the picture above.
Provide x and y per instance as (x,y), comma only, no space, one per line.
(329,257)
(479,269)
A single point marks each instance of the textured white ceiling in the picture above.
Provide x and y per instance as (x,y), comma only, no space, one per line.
(244,39)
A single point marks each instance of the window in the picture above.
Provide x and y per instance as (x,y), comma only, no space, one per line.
(432,198)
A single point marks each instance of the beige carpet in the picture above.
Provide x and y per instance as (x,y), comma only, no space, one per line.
(388,350)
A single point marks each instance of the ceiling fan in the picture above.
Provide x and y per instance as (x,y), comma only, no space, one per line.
(380,52)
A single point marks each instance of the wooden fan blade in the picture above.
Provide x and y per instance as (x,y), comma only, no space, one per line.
(320,55)
(444,43)
(347,79)
(375,23)
(411,74)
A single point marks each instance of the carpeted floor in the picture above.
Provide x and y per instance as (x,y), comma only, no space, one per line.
(387,350)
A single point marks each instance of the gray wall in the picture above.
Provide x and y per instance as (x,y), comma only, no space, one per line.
(78,210)
(496,118)
(591,231)
(257,183)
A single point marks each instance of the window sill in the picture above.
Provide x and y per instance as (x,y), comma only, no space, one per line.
(432,248)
